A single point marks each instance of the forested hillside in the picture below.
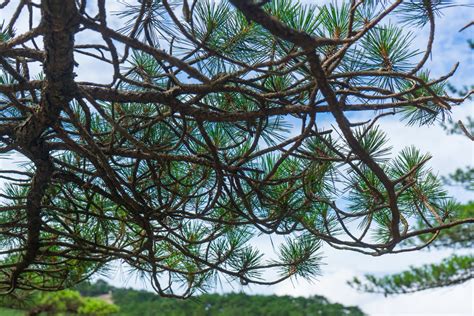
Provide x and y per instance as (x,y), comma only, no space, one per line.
(141,303)
(102,299)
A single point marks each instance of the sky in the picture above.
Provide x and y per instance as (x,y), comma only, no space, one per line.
(448,151)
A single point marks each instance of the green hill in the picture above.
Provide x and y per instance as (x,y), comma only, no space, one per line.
(100,298)
(142,303)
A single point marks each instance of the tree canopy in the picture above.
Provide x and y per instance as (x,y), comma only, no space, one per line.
(208,134)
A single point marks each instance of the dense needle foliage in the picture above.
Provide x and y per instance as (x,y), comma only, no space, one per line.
(209,134)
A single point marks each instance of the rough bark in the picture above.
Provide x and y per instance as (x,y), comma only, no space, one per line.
(60,21)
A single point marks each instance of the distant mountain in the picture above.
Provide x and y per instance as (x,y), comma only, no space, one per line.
(142,303)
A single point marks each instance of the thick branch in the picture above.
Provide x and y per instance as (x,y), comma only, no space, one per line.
(61,22)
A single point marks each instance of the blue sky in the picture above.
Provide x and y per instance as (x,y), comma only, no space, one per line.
(448,151)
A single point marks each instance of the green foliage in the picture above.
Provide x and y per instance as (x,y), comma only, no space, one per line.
(97,307)
(61,302)
(429,112)
(455,128)
(5,35)
(11,312)
(451,271)
(97,288)
(154,21)
(142,303)
(388,48)
(418,12)
(300,257)
(65,302)
(139,303)
(455,237)
(334,19)
(461,177)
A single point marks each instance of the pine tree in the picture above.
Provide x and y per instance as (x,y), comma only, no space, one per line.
(189,152)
